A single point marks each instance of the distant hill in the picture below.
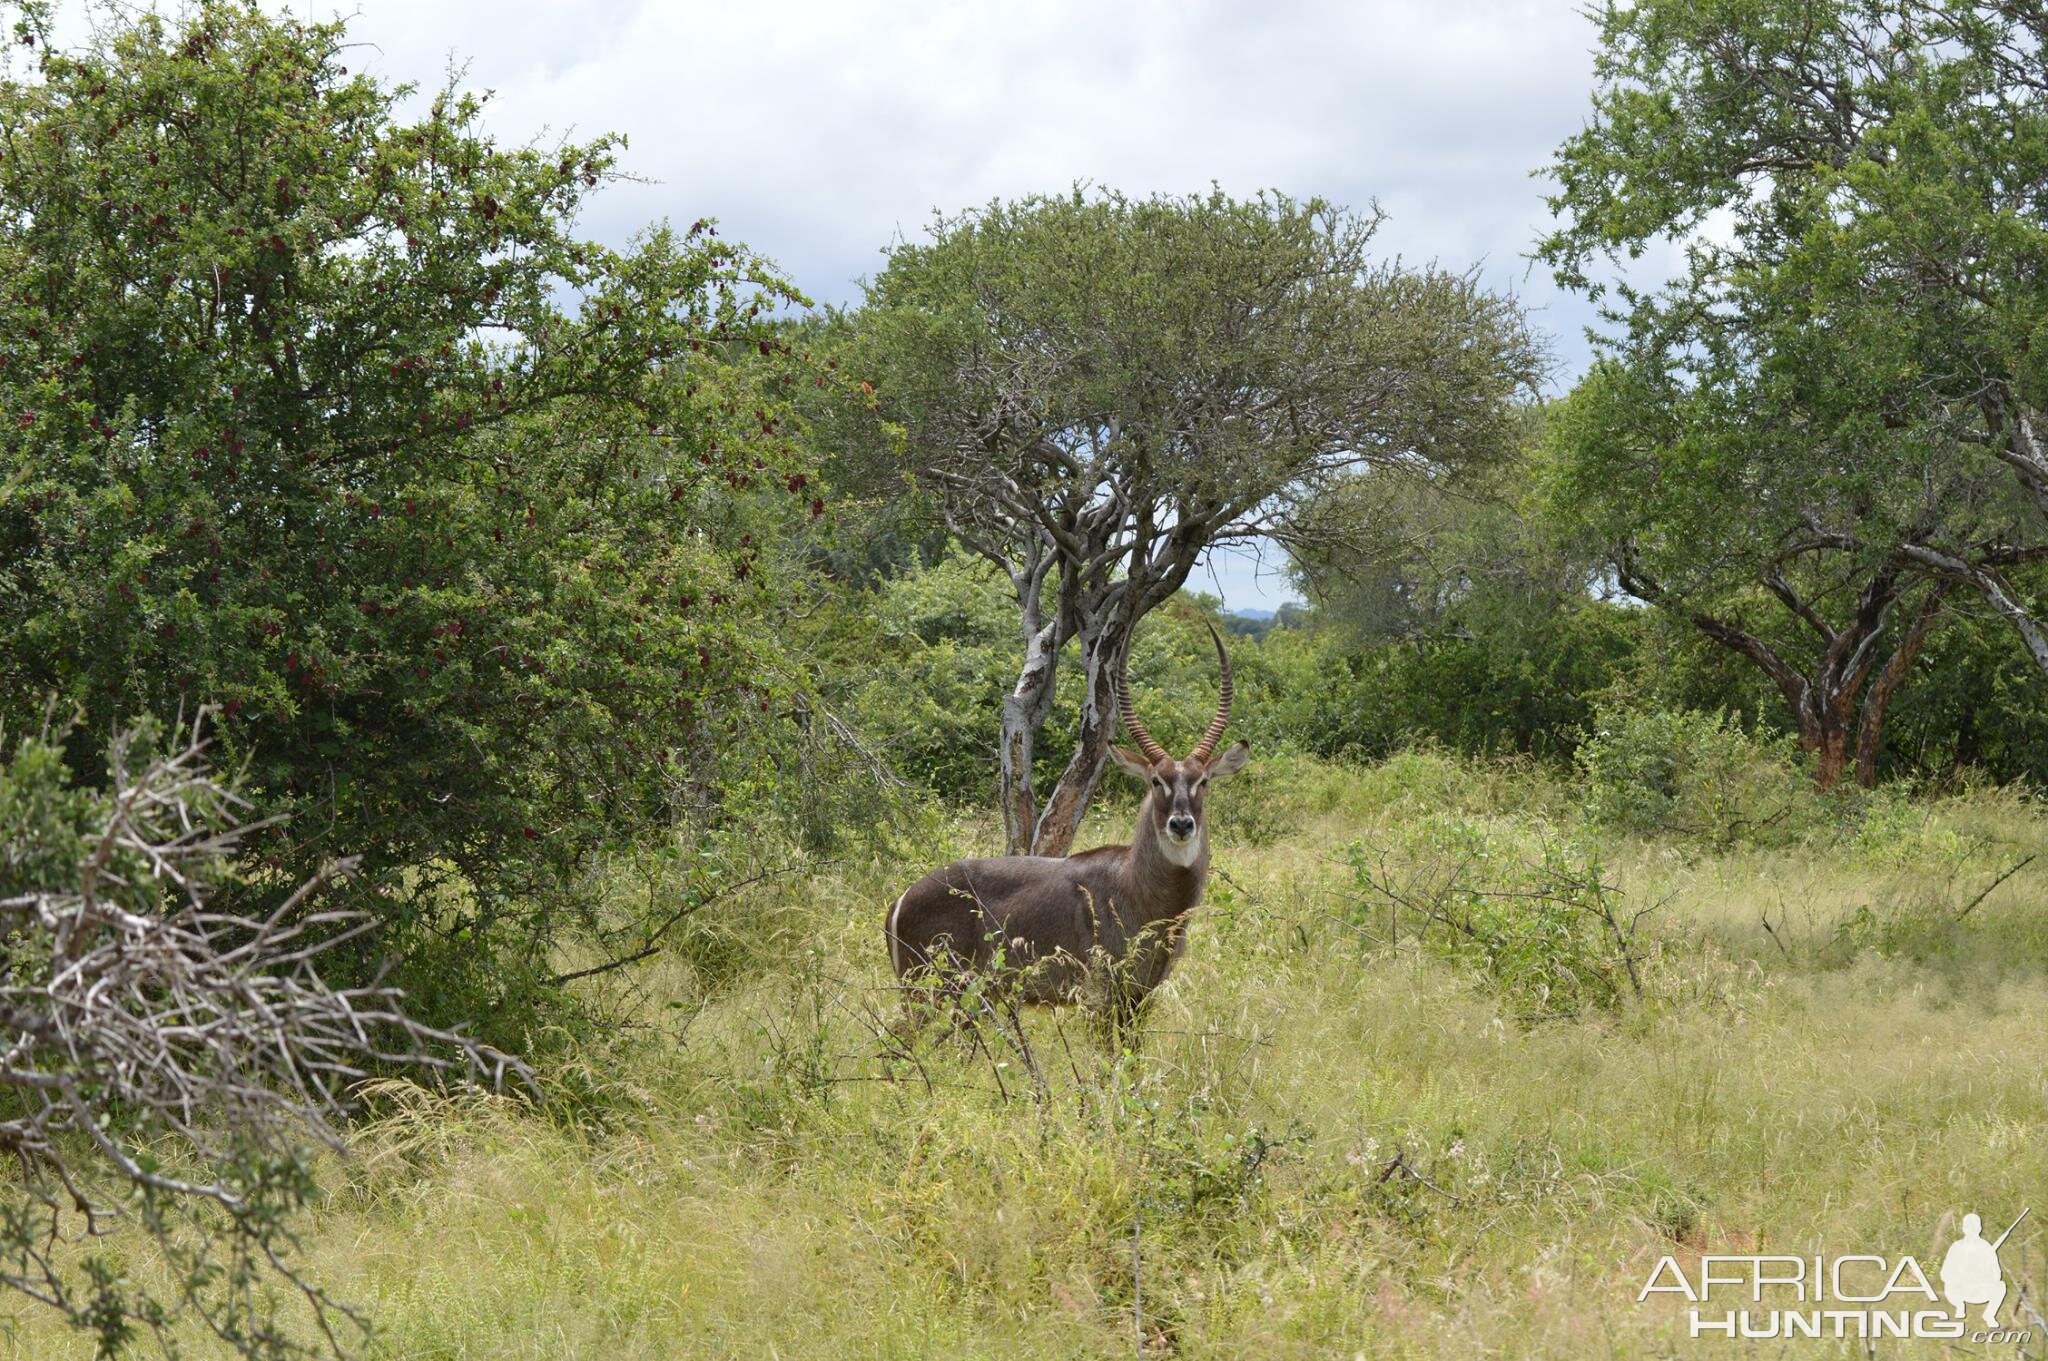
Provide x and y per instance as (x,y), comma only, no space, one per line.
(1257,623)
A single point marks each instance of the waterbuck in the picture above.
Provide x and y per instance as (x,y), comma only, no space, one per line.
(1115,916)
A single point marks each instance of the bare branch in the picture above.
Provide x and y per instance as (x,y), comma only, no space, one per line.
(138,1025)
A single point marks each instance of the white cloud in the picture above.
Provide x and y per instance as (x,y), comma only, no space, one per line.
(816,130)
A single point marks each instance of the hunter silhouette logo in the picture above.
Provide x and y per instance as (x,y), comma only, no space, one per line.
(1855,1295)
(1970,1273)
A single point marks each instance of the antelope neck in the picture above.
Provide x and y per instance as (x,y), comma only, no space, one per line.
(1161,883)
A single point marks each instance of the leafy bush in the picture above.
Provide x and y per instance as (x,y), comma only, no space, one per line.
(1653,772)
(1261,807)
(1897,831)
(1550,935)
(1977,703)
(1493,691)
(921,663)
(343,428)
(1427,779)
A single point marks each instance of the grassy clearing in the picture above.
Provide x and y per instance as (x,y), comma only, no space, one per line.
(1339,1138)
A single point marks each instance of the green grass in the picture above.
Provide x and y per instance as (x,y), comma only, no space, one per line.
(1330,1144)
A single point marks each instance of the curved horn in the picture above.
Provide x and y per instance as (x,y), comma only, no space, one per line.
(1153,751)
(1206,748)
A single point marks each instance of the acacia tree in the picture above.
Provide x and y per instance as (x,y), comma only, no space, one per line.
(1093,390)
(1715,502)
(1840,695)
(1875,291)
(332,418)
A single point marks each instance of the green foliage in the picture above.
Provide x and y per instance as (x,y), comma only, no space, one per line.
(1897,831)
(1457,614)
(1431,780)
(1083,385)
(331,418)
(1102,326)
(1976,704)
(920,663)
(1550,935)
(1705,776)
(1527,686)
(1845,370)
(918,666)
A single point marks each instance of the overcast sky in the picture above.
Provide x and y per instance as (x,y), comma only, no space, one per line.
(817,131)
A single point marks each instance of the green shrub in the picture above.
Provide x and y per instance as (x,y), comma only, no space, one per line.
(1652,772)
(1549,935)
(920,665)
(345,429)
(1501,688)
(1426,778)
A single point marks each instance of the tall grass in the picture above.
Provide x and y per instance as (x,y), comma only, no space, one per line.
(1332,1139)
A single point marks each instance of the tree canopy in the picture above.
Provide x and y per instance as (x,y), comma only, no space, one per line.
(1836,399)
(1848,368)
(1093,389)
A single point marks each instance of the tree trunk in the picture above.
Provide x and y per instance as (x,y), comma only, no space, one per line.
(1831,725)
(1025,710)
(1831,755)
(1870,727)
(1102,654)
(1824,704)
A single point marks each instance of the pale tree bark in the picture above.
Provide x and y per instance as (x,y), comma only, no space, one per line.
(1087,558)
(1025,710)
(2021,448)
(2012,433)
(1029,703)
(1105,622)
(1068,801)
(1997,593)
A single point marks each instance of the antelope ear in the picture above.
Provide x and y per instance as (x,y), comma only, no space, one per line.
(1231,761)
(1134,766)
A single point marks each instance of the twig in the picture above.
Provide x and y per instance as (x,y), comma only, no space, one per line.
(157,1016)
(1137,1283)
(1772,932)
(653,941)
(1400,1164)
(2004,875)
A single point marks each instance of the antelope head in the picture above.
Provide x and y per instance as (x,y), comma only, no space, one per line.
(1175,813)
